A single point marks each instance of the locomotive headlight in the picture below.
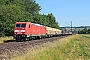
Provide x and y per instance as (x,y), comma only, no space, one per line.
(16,30)
(22,30)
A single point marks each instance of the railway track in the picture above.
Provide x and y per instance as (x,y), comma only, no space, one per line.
(12,48)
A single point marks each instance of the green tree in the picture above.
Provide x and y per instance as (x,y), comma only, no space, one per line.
(31,6)
(89,31)
(9,14)
(85,30)
(52,21)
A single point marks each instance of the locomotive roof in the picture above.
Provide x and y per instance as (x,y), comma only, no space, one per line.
(32,23)
(36,24)
(22,22)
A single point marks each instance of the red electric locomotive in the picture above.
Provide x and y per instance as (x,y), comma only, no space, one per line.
(28,30)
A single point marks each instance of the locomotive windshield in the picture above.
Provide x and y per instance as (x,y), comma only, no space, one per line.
(20,25)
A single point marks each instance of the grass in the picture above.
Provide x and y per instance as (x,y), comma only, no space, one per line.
(2,39)
(76,47)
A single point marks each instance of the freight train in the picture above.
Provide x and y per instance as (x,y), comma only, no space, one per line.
(26,31)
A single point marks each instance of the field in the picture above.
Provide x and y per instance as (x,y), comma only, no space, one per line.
(4,39)
(76,47)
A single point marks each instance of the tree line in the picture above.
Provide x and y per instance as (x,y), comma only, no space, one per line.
(12,11)
(84,31)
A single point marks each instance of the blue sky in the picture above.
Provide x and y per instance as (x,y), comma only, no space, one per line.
(65,11)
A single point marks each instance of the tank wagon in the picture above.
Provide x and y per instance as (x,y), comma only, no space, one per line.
(27,30)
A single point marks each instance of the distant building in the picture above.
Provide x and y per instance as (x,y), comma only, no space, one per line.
(74,29)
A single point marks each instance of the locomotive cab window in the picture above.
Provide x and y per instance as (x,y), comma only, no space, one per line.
(23,25)
(29,26)
(20,25)
(17,25)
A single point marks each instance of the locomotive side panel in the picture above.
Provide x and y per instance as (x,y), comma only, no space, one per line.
(38,30)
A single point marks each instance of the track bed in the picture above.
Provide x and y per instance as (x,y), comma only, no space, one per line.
(11,49)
